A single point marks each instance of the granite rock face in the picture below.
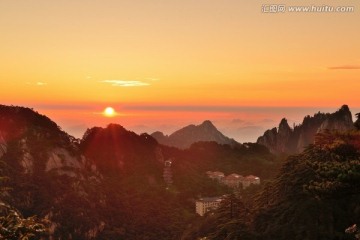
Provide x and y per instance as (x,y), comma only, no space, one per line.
(284,135)
(340,120)
(36,144)
(44,165)
(293,140)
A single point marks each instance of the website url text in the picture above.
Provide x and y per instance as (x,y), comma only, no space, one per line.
(282,8)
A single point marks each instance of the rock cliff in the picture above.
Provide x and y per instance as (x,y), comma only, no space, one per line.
(47,173)
(293,140)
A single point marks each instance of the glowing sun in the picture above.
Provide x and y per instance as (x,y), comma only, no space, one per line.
(109,112)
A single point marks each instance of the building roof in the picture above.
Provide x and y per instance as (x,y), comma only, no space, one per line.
(210,199)
(252,177)
(214,173)
(234,176)
(219,173)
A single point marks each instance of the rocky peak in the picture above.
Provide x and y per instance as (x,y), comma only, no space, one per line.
(341,120)
(287,140)
(284,124)
(207,124)
(269,139)
(276,140)
(284,128)
(283,136)
(345,108)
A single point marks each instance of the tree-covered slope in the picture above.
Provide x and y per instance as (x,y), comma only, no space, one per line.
(315,196)
(48,176)
(110,184)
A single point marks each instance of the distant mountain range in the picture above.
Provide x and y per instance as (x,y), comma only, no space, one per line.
(185,137)
(285,139)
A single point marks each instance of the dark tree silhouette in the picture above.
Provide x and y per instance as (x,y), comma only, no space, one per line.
(357,122)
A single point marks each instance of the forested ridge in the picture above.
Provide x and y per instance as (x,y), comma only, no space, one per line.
(315,196)
(109,184)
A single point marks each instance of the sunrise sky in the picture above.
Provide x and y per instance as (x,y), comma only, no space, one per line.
(163,64)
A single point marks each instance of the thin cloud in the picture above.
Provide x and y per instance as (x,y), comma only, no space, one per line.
(345,67)
(125,83)
(237,120)
(210,108)
(152,79)
(40,84)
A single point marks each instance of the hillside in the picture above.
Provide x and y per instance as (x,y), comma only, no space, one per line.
(48,176)
(110,184)
(315,196)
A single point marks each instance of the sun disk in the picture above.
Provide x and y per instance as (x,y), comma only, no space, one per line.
(109,112)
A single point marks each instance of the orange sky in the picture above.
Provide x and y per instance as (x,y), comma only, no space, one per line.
(70,59)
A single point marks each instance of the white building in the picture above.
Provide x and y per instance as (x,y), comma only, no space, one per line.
(233,180)
(251,179)
(203,205)
(215,175)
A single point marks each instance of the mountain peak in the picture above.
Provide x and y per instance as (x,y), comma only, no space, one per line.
(295,140)
(284,123)
(185,137)
(207,123)
(119,144)
(345,108)
(341,120)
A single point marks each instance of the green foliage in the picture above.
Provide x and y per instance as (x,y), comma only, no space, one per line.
(317,193)
(14,227)
(230,221)
(190,166)
(315,196)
